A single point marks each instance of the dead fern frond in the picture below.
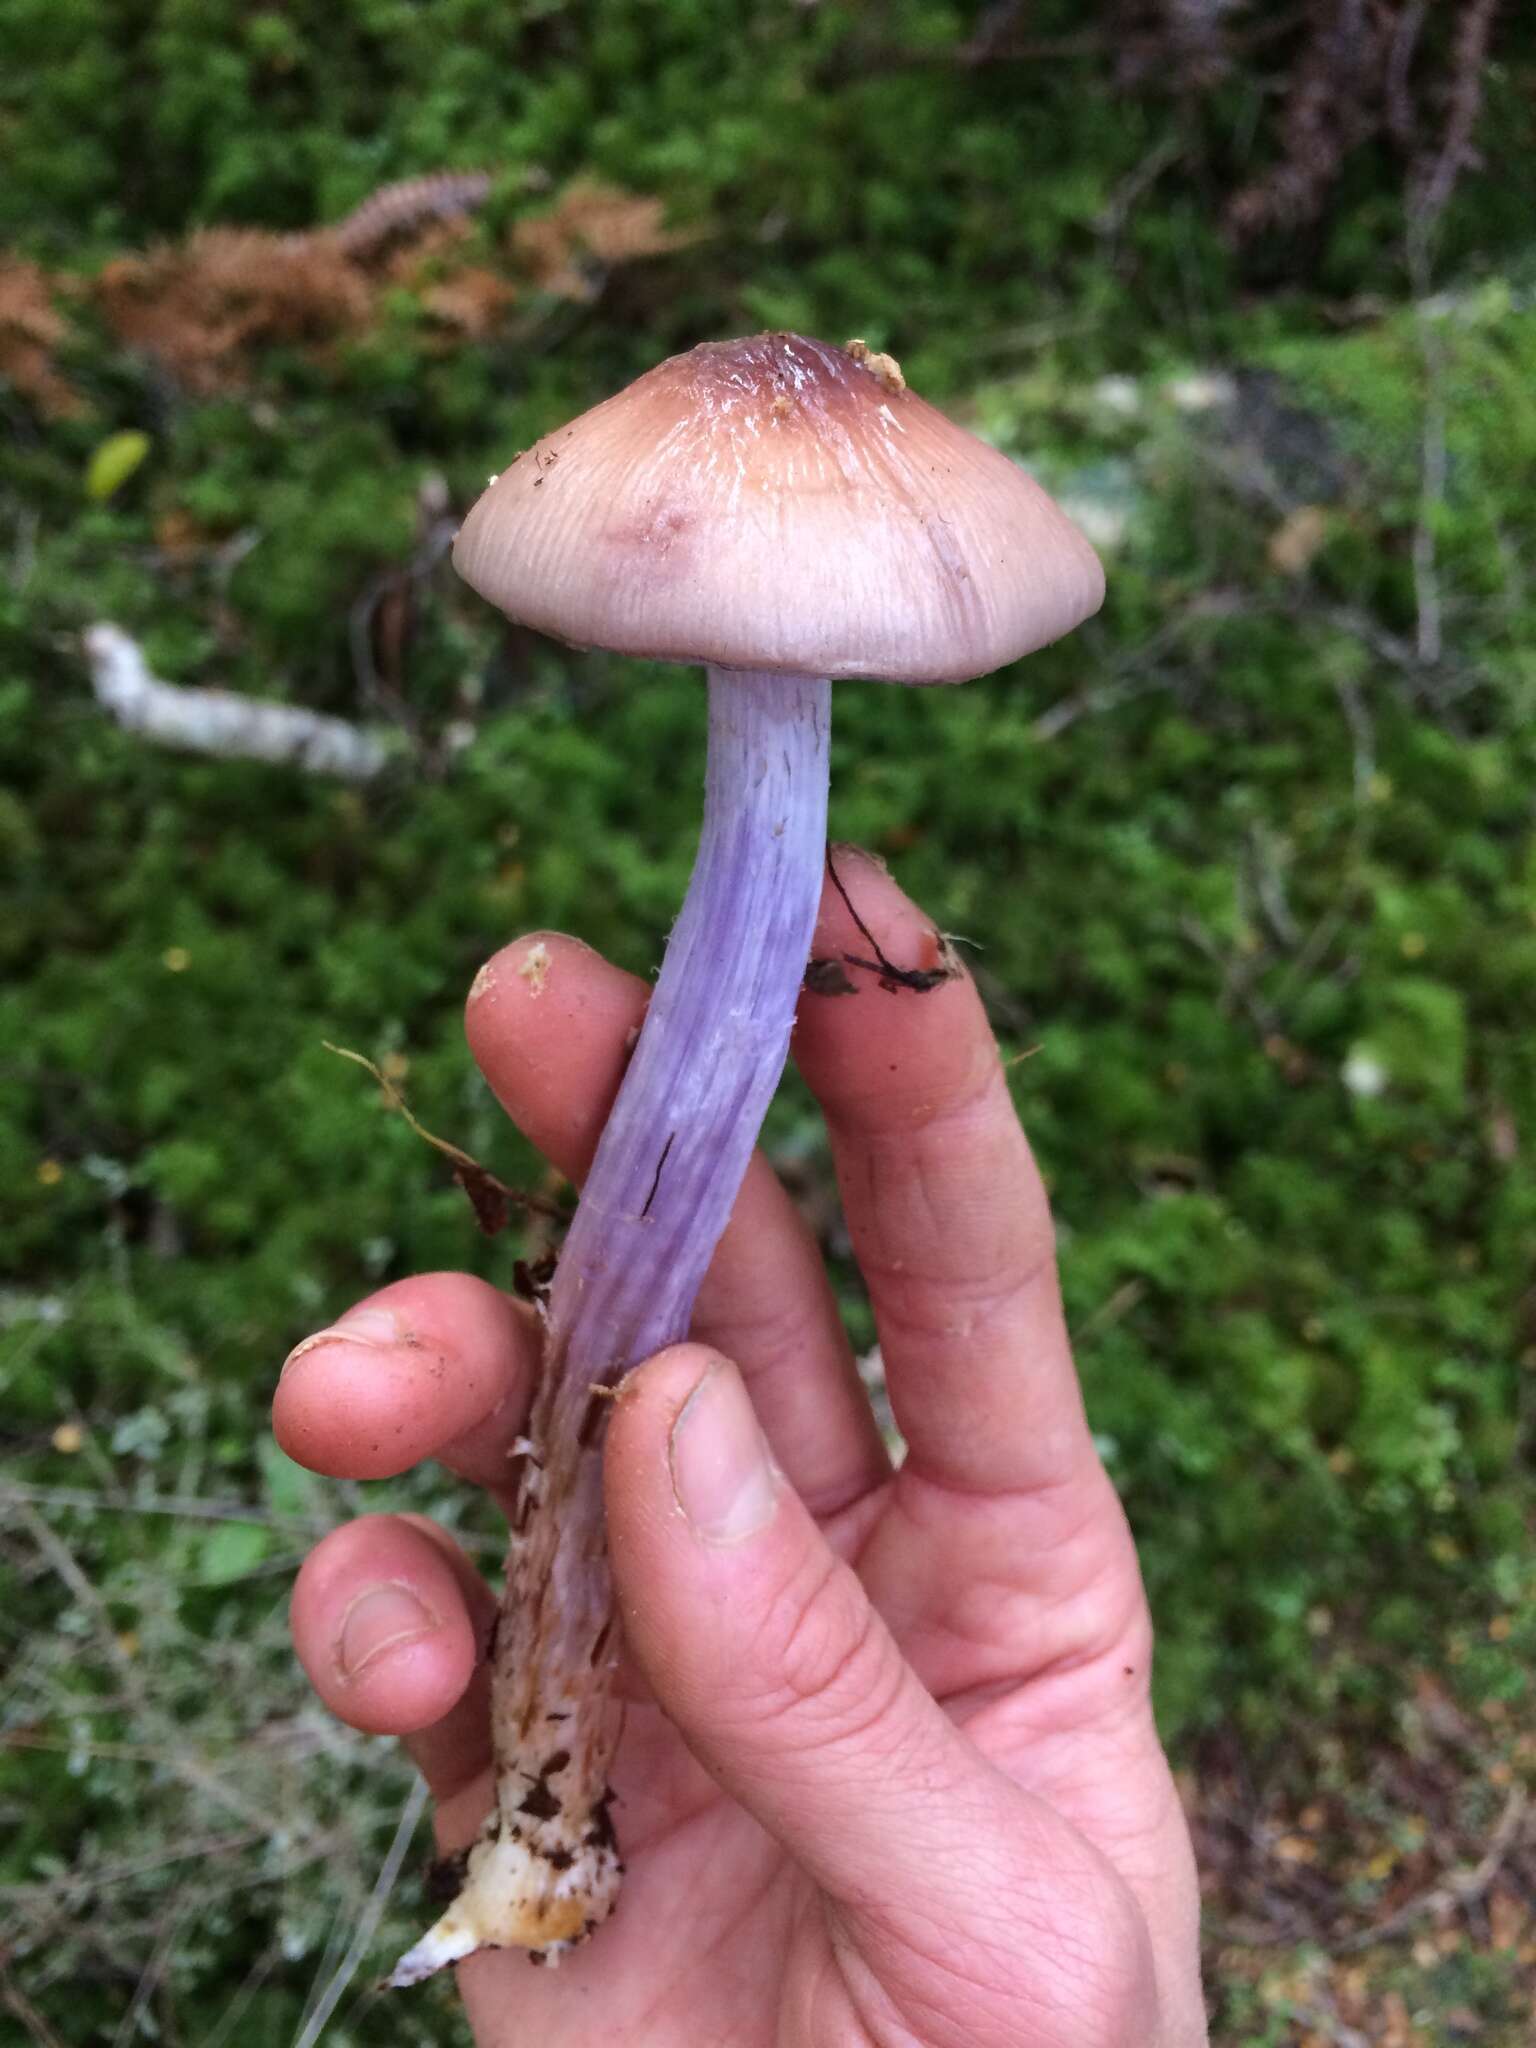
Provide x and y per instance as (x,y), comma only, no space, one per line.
(471,302)
(202,307)
(31,328)
(407,207)
(592,228)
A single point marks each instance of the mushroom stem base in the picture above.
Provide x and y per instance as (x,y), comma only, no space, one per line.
(517,1893)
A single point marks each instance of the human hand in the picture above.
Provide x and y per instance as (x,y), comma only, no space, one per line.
(889,1773)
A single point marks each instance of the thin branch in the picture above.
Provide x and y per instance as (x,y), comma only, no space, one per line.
(1466,105)
(1162,156)
(80,1500)
(67,1568)
(1052,724)
(1402,118)
(73,1883)
(221,722)
(1238,975)
(309,1742)
(1314,948)
(251,1983)
(17,1492)
(153,1973)
(1363,734)
(1432,476)
(12,1995)
(1461,1888)
(381,693)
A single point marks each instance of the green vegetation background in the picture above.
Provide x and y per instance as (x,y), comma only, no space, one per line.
(1247,861)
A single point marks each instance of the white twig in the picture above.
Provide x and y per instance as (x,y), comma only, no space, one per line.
(218,721)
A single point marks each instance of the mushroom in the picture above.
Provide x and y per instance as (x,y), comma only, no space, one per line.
(784,513)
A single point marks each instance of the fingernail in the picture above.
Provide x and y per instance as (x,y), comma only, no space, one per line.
(722,1475)
(378,1327)
(383,1618)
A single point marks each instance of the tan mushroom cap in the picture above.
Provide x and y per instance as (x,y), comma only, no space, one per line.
(776,503)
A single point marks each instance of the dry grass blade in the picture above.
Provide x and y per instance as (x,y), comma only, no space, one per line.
(368,1920)
(490,1197)
(190,1769)
(16,2001)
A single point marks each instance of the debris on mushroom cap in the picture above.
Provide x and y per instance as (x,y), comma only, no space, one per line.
(777,503)
(882,367)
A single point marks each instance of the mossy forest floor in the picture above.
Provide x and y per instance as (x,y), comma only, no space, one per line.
(1247,866)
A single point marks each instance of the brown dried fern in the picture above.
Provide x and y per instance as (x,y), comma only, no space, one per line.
(592,228)
(200,308)
(204,307)
(31,328)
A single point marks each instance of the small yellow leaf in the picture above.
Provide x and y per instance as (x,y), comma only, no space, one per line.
(114,462)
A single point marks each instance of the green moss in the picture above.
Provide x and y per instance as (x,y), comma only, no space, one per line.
(1260,889)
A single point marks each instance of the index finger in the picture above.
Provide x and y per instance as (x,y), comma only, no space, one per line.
(944,1203)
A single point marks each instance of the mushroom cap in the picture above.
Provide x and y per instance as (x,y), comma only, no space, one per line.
(776,503)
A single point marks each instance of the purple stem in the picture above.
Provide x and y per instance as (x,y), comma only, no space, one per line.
(715,1040)
(546,1869)
(660,1193)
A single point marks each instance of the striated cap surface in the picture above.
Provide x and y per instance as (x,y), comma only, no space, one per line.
(777,503)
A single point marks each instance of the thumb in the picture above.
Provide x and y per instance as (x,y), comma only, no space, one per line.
(764,1650)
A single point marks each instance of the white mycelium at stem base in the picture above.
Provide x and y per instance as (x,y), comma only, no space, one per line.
(546,1869)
